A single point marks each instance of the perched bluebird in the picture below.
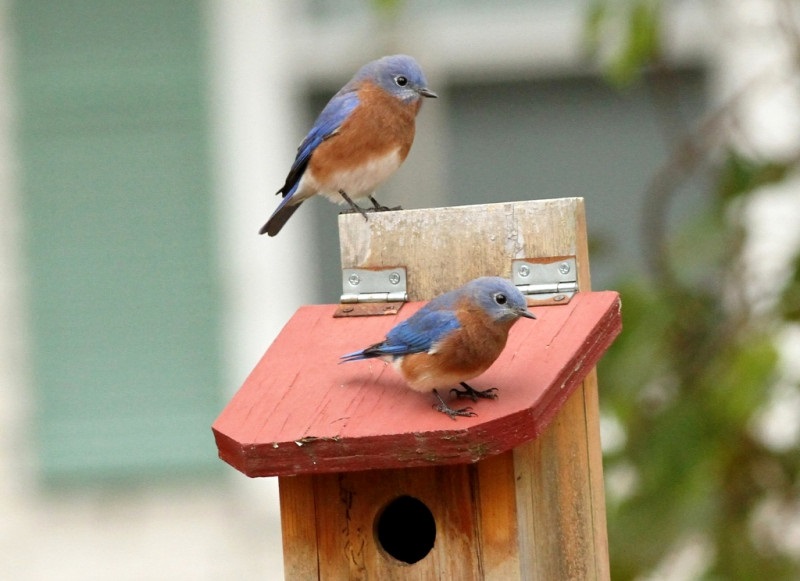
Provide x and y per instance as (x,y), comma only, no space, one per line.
(361,137)
(453,338)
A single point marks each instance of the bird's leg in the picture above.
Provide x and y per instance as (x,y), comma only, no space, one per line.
(452,413)
(353,206)
(473,393)
(379,208)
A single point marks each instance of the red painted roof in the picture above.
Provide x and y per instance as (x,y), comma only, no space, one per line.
(300,411)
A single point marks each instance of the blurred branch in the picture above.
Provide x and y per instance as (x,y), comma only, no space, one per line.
(691,152)
(697,365)
(790,27)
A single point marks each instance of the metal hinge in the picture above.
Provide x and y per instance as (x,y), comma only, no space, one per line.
(372,291)
(550,281)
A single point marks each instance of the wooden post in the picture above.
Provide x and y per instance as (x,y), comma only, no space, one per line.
(534,512)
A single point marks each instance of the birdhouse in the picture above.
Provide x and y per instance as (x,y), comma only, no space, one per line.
(374,483)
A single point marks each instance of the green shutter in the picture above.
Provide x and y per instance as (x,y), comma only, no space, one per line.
(123,301)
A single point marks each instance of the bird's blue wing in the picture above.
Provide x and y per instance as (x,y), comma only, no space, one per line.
(327,124)
(417,334)
(421,332)
(333,115)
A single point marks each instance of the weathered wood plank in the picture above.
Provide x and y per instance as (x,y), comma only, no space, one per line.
(497,510)
(299,533)
(443,248)
(348,504)
(560,491)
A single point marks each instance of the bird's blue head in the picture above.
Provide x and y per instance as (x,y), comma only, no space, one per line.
(499,298)
(399,75)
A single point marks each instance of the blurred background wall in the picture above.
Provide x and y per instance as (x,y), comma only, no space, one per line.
(140,145)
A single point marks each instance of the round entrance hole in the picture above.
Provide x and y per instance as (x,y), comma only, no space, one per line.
(405,529)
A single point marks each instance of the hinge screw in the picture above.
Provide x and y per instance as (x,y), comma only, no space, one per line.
(563,268)
(353,279)
(524,270)
(394,278)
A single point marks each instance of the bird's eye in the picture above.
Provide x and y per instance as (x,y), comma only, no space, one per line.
(400,81)
(500,299)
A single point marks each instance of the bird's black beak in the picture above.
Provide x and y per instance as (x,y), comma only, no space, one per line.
(426,92)
(527,314)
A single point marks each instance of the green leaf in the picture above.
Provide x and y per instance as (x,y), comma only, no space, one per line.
(790,299)
(387,7)
(596,14)
(740,175)
(642,45)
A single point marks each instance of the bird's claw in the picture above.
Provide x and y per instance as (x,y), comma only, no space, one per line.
(376,207)
(451,412)
(357,209)
(473,393)
(353,206)
(383,209)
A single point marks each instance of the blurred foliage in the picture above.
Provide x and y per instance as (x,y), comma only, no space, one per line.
(697,364)
(740,175)
(387,8)
(790,304)
(635,27)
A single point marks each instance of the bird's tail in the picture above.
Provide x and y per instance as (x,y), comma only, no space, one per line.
(279,217)
(370,352)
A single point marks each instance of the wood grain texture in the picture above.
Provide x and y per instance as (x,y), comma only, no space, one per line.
(297,515)
(331,529)
(497,512)
(341,516)
(560,490)
(444,248)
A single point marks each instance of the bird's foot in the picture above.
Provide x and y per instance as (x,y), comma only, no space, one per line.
(353,206)
(473,393)
(384,209)
(376,207)
(451,412)
(357,210)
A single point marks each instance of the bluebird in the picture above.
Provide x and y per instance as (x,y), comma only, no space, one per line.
(361,137)
(453,338)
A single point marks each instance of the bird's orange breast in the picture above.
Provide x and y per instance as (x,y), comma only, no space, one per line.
(379,126)
(462,355)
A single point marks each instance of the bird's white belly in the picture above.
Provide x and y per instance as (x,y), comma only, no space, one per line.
(432,378)
(357,182)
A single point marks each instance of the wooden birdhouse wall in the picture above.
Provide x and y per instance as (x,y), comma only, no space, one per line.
(516,493)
